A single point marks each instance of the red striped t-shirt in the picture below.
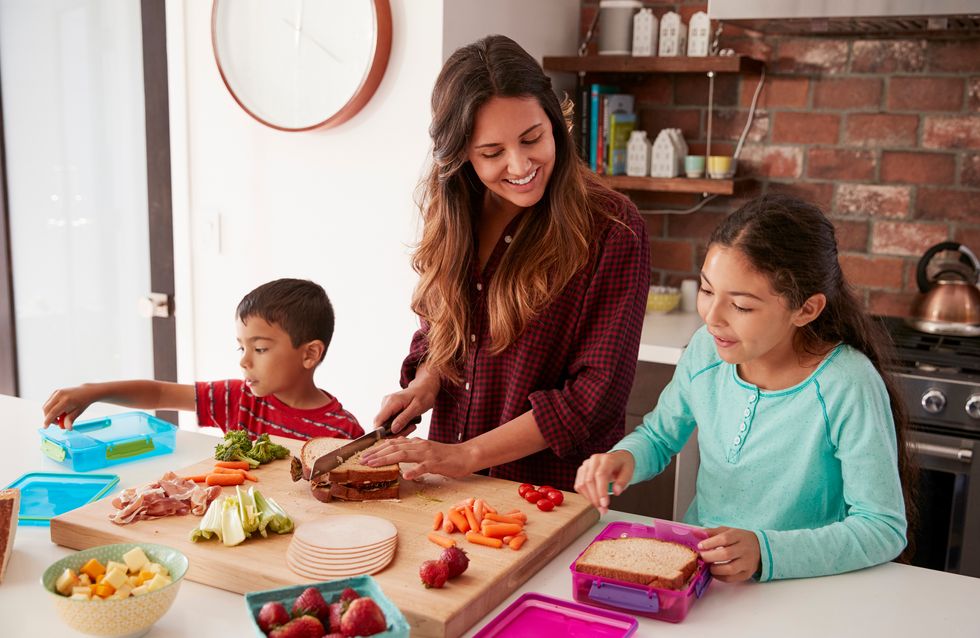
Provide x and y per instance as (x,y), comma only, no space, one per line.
(230,405)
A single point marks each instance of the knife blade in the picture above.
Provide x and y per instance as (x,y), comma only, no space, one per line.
(331,460)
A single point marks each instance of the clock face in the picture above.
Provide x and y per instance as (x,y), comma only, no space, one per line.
(301,64)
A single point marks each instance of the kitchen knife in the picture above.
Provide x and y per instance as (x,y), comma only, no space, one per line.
(331,460)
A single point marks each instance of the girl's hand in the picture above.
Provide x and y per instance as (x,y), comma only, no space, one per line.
(598,471)
(733,554)
(409,404)
(65,405)
(447,459)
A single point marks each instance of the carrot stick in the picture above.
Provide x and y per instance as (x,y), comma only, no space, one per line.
(518,514)
(500,518)
(478,510)
(224,479)
(197,478)
(447,526)
(229,470)
(234,465)
(459,521)
(440,540)
(437,521)
(480,539)
(471,517)
(465,502)
(517,541)
(499,530)
(489,508)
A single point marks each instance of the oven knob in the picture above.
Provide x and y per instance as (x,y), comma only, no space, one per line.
(973,406)
(933,401)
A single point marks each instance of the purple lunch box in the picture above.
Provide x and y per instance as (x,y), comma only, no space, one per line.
(536,615)
(652,602)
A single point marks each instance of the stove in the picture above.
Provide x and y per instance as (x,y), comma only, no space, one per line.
(939,378)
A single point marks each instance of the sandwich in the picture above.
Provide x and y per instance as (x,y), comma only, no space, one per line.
(644,561)
(9,508)
(349,481)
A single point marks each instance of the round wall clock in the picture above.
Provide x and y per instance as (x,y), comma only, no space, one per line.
(297,65)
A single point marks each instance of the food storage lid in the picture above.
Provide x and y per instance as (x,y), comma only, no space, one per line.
(44,495)
(534,615)
(126,434)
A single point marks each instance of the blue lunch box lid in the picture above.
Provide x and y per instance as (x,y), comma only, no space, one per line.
(44,495)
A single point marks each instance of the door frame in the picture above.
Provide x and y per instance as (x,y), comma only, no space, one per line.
(8,328)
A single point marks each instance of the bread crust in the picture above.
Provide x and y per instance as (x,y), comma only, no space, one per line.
(350,493)
(674,580)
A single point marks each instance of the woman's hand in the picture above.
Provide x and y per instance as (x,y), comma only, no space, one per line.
(598,471)
(733,554)
(65,405)
(449,459)
(411,403)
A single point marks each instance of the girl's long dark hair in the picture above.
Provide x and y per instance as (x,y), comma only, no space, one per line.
(794,244)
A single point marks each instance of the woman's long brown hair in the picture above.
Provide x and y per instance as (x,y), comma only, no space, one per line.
(553,239)
(795,246)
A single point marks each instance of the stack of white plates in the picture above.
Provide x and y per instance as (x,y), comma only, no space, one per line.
(342,545)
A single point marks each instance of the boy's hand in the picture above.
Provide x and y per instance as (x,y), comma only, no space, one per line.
(733,554)
(65,405)
(598,471)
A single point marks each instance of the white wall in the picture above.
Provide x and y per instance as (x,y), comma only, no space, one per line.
(335,206)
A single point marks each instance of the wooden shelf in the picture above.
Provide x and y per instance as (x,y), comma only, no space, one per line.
(671,184)
(630,64)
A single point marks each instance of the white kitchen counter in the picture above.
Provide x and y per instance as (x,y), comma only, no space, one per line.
(665,336)
(888,600)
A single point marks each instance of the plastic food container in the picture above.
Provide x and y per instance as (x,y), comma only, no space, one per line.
(44,495)
(536,615)
(119,438)
(652,602)
(363,585)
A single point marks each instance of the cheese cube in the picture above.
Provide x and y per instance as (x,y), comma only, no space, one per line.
(134,581)
(135,559)
(159,582)
(84,580)
(115,577)
(157,568)
(144,576)
(113,564)
(83,591)
(103,590)
(79,597)
(139,591)
(93,568)
(65,582)
(122,592)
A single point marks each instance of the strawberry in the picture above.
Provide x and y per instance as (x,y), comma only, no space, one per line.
(302,627)
(311,603)
(434,573)
(272,615)
(363,618)
(336,611)
(456,559)
(348,595)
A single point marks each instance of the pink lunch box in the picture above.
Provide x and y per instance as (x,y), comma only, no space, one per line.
(652,602)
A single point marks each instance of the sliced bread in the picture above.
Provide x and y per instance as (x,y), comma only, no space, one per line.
(645,561)
(352,471)
(9,508)
(370,491)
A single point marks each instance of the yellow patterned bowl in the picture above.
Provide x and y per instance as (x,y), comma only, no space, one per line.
(124,618)
(663,298)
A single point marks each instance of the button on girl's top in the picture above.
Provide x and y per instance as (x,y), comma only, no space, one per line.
(573,365)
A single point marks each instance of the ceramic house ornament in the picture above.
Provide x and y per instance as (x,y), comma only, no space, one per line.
(646,33)
(699,35)
(663,157)
(677,138)
(638,154)
(673,35)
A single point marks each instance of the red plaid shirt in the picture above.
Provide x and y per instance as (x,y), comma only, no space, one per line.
(230,405)
(573,365)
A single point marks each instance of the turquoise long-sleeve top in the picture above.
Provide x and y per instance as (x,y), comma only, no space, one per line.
(811,469)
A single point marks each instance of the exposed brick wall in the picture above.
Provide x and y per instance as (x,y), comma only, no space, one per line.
(883,134)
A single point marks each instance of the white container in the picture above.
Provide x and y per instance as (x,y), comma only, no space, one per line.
(699,35)
(638,154)
(677,138)
(663,156)
(673,35)
(616,26)
(646,33)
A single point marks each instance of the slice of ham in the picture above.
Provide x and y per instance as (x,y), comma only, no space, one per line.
(169,496)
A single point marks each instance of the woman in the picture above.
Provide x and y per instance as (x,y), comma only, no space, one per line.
(532,285)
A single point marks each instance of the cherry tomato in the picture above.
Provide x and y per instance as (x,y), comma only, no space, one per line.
(533,496)
(556,497)
(545,504)
(524,488)
(544,489)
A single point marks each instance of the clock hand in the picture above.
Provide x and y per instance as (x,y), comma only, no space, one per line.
(299,32)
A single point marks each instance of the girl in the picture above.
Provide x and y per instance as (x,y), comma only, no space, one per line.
(801,433)
(532,285)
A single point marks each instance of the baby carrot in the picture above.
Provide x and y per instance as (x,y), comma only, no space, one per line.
(224,479)
(229,470)
(518,514)
(500,518)
(471,517)
(197,478)
(447,526)
(437,521)
(480,539)
(235,465)
(517,541)
(478,510)
(459,521)
(489,508)
(499,530)
(440,540)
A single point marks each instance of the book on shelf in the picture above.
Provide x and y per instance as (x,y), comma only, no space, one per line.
(596,91)
(620,127)
(610,104)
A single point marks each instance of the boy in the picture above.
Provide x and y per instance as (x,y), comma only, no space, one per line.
(283,329)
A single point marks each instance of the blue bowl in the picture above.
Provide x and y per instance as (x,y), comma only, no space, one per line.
(363,585)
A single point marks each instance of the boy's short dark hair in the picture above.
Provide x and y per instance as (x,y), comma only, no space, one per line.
(298,306)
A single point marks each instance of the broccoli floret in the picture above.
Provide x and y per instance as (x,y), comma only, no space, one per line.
(235,447)
(265,451)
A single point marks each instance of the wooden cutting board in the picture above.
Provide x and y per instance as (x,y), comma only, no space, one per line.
(259,563)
